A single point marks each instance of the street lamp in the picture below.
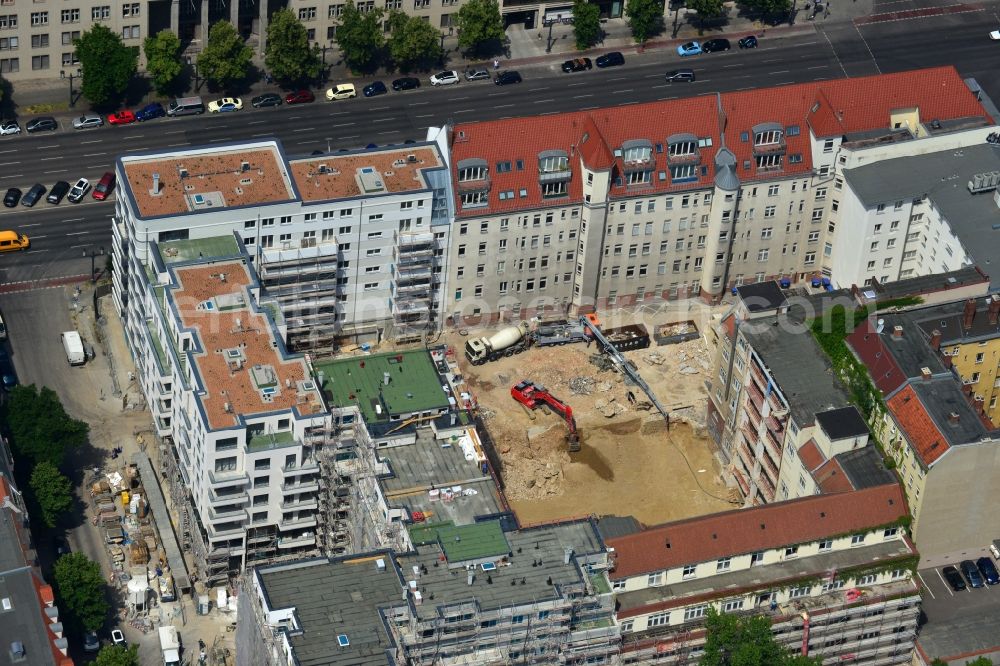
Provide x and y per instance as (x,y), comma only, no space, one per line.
(62,75)
(548,44)
(93,268)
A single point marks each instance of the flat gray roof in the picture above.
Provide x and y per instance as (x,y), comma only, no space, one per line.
(942,177)
(864,467)
(942,396)
(799,366)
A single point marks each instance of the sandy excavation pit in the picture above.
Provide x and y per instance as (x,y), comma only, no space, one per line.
(629,464)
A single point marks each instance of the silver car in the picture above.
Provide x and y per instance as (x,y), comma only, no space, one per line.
(88,121)
(9,128)
(477,74)
(78,191)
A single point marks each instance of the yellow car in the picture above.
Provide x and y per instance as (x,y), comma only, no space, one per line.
(341,91)
(225,104)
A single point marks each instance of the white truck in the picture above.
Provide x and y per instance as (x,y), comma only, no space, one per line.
(73,346)
(170,646)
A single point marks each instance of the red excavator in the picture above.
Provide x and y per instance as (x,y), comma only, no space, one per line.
(533,396)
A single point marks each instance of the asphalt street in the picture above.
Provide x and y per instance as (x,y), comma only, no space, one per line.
(64,236)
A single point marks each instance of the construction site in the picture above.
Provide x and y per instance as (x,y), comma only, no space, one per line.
(632,458)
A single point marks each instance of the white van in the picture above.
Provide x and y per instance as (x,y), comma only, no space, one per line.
(73,346)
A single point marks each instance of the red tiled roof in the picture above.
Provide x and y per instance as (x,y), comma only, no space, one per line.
(882,366)
(811,456)
(742,531)
(830,108)
(830,478)
(913,419)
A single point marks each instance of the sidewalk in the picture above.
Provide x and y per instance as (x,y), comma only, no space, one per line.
(527,49)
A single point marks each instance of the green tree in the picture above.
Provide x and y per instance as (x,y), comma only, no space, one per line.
(981,661)
(732,640)
(40,429)
(707,9)
(118,655)
(52,492)
(163,60)
(107,64)
(226,58)
(586,23)
(360,37)
(768,9)
(413,41)
(288,56)
(80,590)
(645,17)
(480,26)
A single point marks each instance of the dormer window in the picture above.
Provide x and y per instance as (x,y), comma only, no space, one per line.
(768,138)
(553,161)
(472,170)
(637,152)
(683,149)
(554,173)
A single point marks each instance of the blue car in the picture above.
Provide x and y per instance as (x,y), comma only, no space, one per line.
(150,111)
(989,570)
(689,49)
(373,89)
(971,573)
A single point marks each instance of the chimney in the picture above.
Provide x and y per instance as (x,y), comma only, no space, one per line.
(897,331)
(156,182)
(925,373)
(969,314)
(936,340)
(993,309)
(953,417)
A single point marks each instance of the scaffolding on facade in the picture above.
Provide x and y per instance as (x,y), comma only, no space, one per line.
(304,280)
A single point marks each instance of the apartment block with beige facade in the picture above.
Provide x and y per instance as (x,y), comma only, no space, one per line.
(833,574)
(679,198)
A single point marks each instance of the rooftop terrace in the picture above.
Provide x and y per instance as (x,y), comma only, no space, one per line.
(172,252)
(206,179)
(344,175)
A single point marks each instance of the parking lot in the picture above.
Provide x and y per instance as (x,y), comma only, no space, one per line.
(958,623)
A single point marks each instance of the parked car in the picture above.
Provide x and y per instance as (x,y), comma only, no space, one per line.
(477,74)
(613,59)
(444,78)
(11,198)
(225,105)
(995,549)
(88,121)
(117,637)
(508,77)
(267,99)
(954,578)
(3,328)
(78,191)
(104,186)
(150,111)
(971,573)
(689,49)
(988,570)
(90,642)
(406,83)
(374,89)
(8,375)
(32,196)
(125,117)
(9,128)
(57,192)
(300,97)
(341,91)
(715,45)
(41,124)
(995,35)
(577,65)
(748,42)
(680,75)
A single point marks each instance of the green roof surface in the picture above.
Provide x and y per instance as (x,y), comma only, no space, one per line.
(414,385)
(198,248)
(462,543)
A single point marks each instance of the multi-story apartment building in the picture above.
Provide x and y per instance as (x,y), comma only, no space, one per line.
(465,595)
(687,197)
(833,572)
(30,628)
(781,419)
(349,245)
(938,426)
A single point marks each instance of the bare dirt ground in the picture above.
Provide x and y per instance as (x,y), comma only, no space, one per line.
(629,463)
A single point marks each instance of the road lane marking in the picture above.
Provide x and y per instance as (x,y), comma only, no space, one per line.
(618,78)
(101,154)
(135,150)
(92,141)
(926,586)
(25,226)
(102,166)
(76,233)
(379,108)
(581,96)
(618,92)
(252,136)
(49,159)
(56,171)
(176,132)
(75,219)
(943,582)
(818,67)
(390,132)
(780,71)
(426,115)
(573,85)
(418,103)
(464,111)
(543,101)
(536,89)
(293,117)
(8,163)
(2,152)
(257,122)
(738,64)
(503,106)
(304,129)
(343,125)
(383,120)
(458,99)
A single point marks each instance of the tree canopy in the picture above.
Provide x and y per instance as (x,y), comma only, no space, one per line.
(52,493)
(289,58)
(360,37)
(707,9)
(413,41)
(118,655)
(80,588)
(107,65)
(768,9)
(225,59)
(737,640)
(163,60)
(644,17)
(40,429)
(586,23)
(480,26)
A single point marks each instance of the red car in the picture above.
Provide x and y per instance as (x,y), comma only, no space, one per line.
(121,118)
(300,97)
(104,187)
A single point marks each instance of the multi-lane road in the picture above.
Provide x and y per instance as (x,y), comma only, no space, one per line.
(63,236)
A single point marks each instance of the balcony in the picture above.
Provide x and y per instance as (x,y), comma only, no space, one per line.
(749,433)
(296,541)
(479,185)
(305,486)
(301,504)
(225,498)
(226,530)
(234,512)
(682,159)
(308,466)
(769,464)
(766,487)
(297,523)
(227,478)
(741,482)
(756,397)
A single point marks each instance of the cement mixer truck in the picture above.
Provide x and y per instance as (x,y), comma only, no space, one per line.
(515,339)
